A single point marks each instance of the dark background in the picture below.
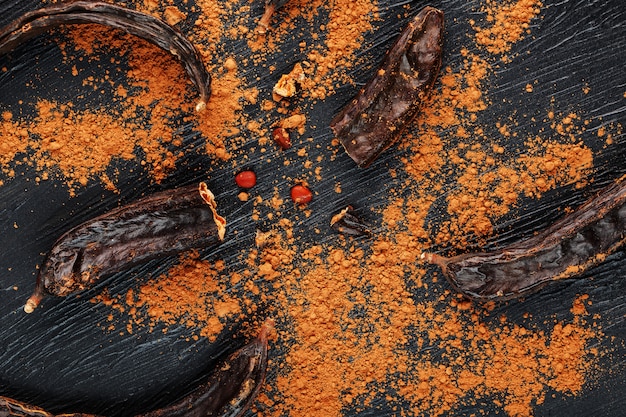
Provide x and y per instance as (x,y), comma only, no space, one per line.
(59,358)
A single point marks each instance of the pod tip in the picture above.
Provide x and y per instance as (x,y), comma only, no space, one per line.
(32,303)
(209,198)
(264,22)
(201,105)
(431,258)
(267,328)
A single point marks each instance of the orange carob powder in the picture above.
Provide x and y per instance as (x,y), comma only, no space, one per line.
(361,325)
(192,293)
(506,23)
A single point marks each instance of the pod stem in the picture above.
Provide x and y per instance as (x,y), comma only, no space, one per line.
(266,329)
(433,258)
(34,300)
(264,21)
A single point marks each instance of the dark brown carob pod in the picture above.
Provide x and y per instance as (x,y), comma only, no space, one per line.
(228,391)
(162,224)
(231,388)
(570,246)
(374,119)
(145,26)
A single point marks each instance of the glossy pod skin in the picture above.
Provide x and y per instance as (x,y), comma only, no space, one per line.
(136,23)
(570,246)
(162,224)
(375,118)
(228,391)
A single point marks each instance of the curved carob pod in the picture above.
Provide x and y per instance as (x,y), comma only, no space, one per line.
(136,23)
(270,8)
(231,387)
(12,408)
(566,249)
(162,224)
(374,119)
(228,391)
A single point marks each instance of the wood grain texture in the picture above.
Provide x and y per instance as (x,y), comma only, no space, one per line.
(64,359)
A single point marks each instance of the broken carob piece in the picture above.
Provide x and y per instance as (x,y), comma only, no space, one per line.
(162,224)
(569,247)
(145,26)
(374,119)
(347,223)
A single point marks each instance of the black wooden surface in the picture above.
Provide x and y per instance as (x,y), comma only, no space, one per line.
(59,358)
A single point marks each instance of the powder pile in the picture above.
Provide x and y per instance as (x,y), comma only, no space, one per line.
(506,23)
(191,292)
(146,101)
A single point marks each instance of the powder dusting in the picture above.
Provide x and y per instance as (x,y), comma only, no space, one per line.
(361,325)
(191,293)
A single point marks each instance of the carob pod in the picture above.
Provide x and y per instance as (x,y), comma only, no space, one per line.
(136,23)
(228,391)
(162,224)
(270,8)
(374,119)
(232,386)
(13,408)
(566,249)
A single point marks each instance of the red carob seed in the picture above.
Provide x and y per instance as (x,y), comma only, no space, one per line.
(301,194)
(246,179)
(281,137)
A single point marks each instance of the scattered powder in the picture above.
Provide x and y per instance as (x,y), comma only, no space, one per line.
(222,118)
(148,99)
(506,23)
(489,181)
(348,21)
(486,191)
(359,335)
(360,325)
(14,141)
(192,293)
(330,48)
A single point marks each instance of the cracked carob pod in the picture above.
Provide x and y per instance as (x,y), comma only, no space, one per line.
(136,23)
(566,249)
(231,387)
(270,8)
(374,119)
(162,224)
(228,391)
